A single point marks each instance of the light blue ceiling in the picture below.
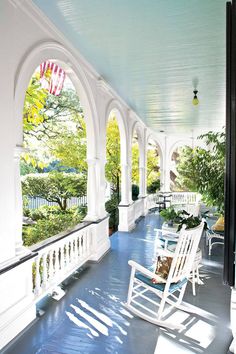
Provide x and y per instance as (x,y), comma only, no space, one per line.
(153,53)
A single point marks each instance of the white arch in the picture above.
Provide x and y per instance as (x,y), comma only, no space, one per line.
(137,127)
(114,106)
(176,144)
(150,136)
(161,154)
(55,51)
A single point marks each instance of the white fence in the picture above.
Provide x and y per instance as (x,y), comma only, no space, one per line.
(59,259)
(34,203)
(184,198)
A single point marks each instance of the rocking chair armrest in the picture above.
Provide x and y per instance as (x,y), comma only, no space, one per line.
(145,271)
(165,232)
(164,252)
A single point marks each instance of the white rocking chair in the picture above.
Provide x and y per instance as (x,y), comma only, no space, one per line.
(169,291)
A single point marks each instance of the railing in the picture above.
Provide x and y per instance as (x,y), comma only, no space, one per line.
(59,258)
(35,203)
(184,198)
(151,201)
(187,201)
(138,208)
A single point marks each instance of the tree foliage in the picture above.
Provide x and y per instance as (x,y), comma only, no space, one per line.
(54,128)
(202,170)
(153,167)
(49,221)
(112,169)
(54,187)
(69,146)
(135,162)
(35,100)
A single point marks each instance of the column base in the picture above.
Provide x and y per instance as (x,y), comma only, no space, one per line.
(17,308)
(126,217)
(101,241)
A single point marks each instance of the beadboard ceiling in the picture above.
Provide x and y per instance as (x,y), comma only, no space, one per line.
(153,53)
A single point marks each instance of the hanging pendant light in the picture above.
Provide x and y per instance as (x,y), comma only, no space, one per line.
(195,98)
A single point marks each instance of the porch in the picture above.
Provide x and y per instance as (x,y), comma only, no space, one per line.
(92,318)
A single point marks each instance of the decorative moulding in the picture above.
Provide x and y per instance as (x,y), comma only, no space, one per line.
(103,85)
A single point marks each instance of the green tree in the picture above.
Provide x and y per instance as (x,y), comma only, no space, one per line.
(54,127)
(135,162)
(112,169)
(70,146)
(153,168)
(202,170)
(35,100)
(54,187)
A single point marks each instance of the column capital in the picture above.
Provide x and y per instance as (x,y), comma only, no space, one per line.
(18,150)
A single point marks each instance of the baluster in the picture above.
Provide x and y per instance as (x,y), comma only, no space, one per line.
(90,240)
(37,277)
(75,249)
(57,265)
(69,251)
(87,242)
(51,267)
(67,254)
(44,270)
(80,246)
(63,257)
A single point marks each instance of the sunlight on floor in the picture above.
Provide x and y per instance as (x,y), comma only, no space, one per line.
(203,332)
(97,322)
(200,332)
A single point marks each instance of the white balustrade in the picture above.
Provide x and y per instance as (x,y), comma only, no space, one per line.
(151,201)
(59,259)
(184,198)
(138,208)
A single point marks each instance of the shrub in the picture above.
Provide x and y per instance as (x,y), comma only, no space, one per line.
(154,186)
(50,221)
(112,208)
(135,191)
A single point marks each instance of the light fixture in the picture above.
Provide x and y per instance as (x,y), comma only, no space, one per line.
(195,99)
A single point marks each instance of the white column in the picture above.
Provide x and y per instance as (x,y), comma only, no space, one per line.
(19,249)
(126,192)
(92,191)
(142,182)
(166,168)
(102,189)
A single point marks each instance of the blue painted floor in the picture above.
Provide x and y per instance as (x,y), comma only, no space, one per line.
(92,319)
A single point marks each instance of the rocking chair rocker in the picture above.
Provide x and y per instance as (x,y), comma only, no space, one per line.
(170,291)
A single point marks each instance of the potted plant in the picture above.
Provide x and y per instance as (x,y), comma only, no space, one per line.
(170,216)
(179,218)
(189,220)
